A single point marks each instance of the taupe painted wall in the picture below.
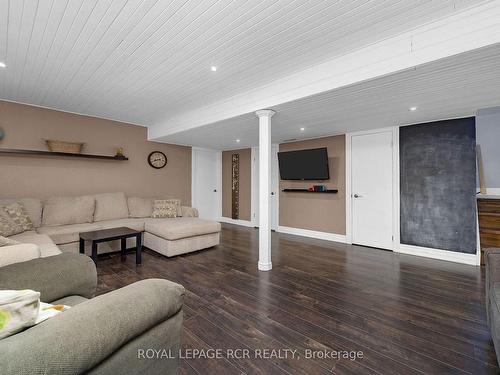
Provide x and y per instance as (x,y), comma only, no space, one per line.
(318,212)
(26,176)
(245,183)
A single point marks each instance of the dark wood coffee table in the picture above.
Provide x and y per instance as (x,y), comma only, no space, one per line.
(105,235)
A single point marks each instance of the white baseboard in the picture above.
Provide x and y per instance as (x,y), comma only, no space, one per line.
(493,191)
(313,234)
(244,223)
(265,266)
(450,256)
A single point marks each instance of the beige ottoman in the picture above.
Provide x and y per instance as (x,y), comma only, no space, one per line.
(180,235)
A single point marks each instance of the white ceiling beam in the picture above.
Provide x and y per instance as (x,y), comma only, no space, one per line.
(465,31)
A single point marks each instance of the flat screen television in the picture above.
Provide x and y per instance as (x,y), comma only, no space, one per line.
(309,164)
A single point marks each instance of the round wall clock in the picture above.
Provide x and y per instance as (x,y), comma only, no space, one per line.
(157,159)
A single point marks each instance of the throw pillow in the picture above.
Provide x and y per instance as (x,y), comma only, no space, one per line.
(184,211)
(8,223)
(7,226)
(140,207)
(48,310)
(164,208)
(18,310)
(7,241)
(33,207)
(19,215)
(177,202)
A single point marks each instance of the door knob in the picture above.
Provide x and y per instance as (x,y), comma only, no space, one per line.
(357,195)
(215,190)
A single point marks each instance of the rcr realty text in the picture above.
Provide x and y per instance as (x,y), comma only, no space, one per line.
(244,353)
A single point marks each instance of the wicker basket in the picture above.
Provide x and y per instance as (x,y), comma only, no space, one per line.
(63,146)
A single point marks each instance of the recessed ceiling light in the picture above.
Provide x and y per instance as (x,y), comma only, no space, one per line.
(238,141)
(213,68)
(414,108)
(2,65)
(302,129)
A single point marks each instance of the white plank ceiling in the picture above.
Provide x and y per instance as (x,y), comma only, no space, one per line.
(143,60)
(454,87)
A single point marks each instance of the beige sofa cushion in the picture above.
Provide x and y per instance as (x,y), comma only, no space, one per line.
(68,210)
(4,241)
(132,223)
(109,206)
(63,234)
(22,252)
(140,207)
(44,242)
(181,227)
(32,205)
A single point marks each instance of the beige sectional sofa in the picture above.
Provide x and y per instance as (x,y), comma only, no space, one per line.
(58,221)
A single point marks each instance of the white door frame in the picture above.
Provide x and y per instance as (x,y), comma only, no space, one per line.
(395,181)
(218,173)
(254,204)
(275,185)
(255,186)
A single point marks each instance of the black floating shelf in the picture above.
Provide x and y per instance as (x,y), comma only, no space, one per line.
(5,151)
(329,191)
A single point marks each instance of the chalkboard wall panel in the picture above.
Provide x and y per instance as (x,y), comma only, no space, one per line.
(438,185)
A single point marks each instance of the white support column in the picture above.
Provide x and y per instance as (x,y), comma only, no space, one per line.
(265,189)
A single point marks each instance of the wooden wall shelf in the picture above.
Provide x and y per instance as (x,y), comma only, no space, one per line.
(6,151)
(329,191)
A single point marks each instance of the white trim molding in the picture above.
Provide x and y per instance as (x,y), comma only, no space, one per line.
(450,256)
(254,186)
(193,176)
(243,223)
(396,189)
(313,234)
(348,187)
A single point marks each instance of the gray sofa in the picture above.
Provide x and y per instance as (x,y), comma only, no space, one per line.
(493,295)
(58,221)
(101,335)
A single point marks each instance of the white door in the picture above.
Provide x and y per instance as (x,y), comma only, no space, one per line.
(274,187)
(372,184)
(206,181)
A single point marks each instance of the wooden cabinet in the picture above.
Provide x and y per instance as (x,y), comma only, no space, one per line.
(489,223)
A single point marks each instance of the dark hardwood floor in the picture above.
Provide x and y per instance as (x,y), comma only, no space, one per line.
(407,315)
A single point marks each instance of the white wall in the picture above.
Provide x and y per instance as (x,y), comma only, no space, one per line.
(488,137)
